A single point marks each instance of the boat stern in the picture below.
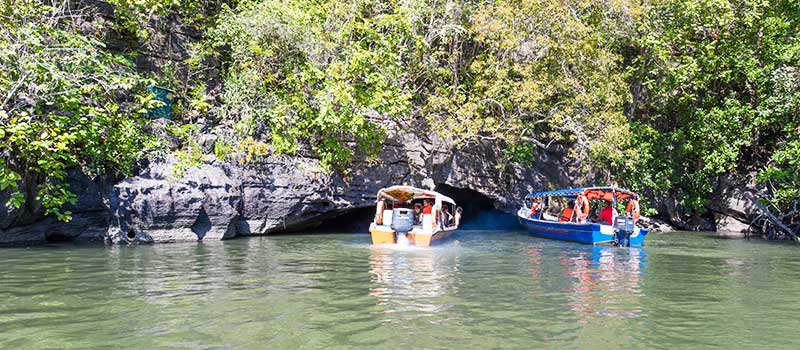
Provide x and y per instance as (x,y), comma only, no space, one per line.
(382,234)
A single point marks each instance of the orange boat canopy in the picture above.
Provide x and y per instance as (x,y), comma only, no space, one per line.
(602,193)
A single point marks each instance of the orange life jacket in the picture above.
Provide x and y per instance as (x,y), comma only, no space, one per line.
(583,207)
(632,209)
(566,215)
(535,209)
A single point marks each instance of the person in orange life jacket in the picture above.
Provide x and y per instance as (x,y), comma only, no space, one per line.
(427,207)
(632,209)
(566,215)
(608,214)
(535,207)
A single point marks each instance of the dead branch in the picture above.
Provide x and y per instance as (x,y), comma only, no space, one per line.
(776,223)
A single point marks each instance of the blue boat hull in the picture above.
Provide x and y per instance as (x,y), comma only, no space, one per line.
(587,233)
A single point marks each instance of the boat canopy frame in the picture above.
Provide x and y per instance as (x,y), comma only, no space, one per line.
(385,193)
(609,193)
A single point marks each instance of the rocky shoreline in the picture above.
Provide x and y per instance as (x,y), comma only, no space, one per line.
(278,193)
(221,200)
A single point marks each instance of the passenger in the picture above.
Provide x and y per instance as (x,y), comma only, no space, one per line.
(566,215)
(535,207)
(427,210)
(427,206)
(607,215)
(418,213)
(447,218)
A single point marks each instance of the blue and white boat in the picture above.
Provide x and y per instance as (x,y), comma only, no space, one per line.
(575,215)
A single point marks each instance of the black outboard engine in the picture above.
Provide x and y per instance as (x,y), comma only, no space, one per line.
(623,229)
(402,220)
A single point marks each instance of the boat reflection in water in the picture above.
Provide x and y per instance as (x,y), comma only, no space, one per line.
(600,283)
(412,282)
(605,282)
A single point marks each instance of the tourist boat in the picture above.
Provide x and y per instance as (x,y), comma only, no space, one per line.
(570,215)
(405,214)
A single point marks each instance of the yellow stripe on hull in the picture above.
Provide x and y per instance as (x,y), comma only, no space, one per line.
(417,239)
(382,237)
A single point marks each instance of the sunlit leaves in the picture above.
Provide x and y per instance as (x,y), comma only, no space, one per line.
(544,72)
(721,94)
(315,72)
(61,106)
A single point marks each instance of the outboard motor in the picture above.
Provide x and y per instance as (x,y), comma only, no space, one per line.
(402,220)
(623,229)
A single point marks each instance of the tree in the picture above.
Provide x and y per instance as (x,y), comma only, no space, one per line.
(61,105)
(717,81)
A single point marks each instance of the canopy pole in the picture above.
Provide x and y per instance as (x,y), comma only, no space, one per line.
(613,199)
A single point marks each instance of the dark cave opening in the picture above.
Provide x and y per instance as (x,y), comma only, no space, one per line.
(57,237)
(348,221)
(478,213)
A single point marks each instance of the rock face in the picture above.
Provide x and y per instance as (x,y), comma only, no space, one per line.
(655,225)
(221,200)
(90,215)
(732,210)
(151,208)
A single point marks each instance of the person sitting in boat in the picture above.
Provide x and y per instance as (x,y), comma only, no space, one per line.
(418,213)
(566,215)
(608,214)
(536,207)
(447,218)
(427,206)
(427,209)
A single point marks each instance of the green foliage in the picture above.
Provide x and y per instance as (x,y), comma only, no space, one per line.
(663,96)
(713,102)
(222,150)
(190,157)
(783,175)
(543,72)
(314,71)
(60,108)
(507,71)
(133,16)
(191,154)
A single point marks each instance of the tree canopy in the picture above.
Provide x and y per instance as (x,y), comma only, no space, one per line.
(664,96)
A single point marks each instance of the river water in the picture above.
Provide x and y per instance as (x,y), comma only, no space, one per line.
(483,290)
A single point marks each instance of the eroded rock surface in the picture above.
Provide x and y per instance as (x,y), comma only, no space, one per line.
(221,200)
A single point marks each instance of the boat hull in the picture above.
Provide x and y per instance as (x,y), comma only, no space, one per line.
(587,233)
(385,235)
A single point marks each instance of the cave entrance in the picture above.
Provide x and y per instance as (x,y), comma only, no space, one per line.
(57,237)
(348,221)
(479,211)
(479,214)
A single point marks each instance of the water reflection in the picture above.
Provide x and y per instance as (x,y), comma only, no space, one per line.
(605,282)
(494,290)
(413,282)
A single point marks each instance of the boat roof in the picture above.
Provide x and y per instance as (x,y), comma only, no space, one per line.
(599,192)
(396,193)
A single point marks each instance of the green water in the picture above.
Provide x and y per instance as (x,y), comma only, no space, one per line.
(485,290)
